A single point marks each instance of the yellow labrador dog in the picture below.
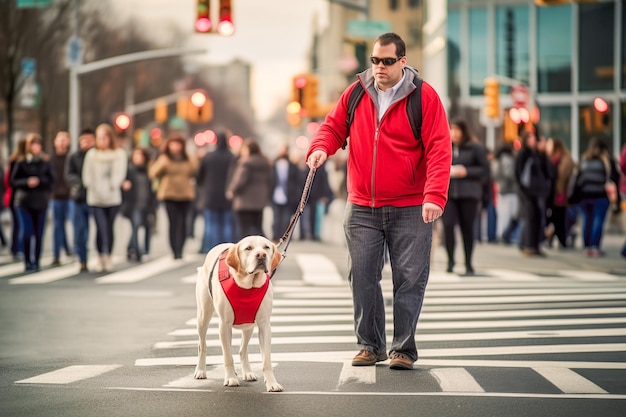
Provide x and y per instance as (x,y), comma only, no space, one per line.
(234,281)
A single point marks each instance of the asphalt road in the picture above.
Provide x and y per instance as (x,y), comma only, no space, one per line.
(513,341)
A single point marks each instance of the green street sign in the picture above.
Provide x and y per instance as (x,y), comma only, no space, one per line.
(25,4)
(367,29)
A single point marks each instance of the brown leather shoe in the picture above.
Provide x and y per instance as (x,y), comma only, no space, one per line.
(367,358)
(400,361)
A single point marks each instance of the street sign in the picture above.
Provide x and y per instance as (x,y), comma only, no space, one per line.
(368,29)
(25,4)
(520,95)
(73,52)
(28,66)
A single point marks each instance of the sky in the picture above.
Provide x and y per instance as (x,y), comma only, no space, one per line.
(272,35)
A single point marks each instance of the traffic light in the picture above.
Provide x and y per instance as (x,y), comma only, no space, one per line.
(160,111)
(121,122)
(203,16)
(492,98)
(225,26)
(304,93)
(201,108)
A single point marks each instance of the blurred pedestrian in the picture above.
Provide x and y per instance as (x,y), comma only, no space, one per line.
(397,187)
(78,195)
(507,198)
(320,197)
(175,170)
(563,163)
(3,239)
(213,176)
(468,172)
(596,169)
(534,175)
(285,191)
(60,198)
(622,184)
(250,189)
(32,180)
(104,171)
(17,244)
(138,203)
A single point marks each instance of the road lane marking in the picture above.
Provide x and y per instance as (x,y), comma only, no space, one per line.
(456,380)
(69,374)
(144,271)
(589,275)
(319,270)
(568,381)
(512,275)
(55,274)
(356,374)
(341,356)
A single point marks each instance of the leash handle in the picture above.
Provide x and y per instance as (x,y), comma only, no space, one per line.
(286,237)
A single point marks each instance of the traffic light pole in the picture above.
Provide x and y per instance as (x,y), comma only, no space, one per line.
(76,70)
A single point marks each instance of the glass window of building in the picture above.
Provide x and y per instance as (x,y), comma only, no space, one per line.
(393,4)
(414,4)
(554,52)
(477,49)
(555,122)
(594,123)
(512,42)
(454,53)
(596,42)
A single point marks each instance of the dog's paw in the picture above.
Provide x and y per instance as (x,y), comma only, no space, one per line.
(198,374)
(274,387)
(250,376)
(231,382)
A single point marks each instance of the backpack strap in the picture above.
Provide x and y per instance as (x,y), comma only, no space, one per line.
(353,100)
(414,110)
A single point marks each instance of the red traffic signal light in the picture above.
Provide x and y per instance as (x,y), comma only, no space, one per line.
(225,27)
(600,105)
(122,122)
(198,98)
(203,16)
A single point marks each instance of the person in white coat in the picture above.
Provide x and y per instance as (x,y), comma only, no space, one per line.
(104,171)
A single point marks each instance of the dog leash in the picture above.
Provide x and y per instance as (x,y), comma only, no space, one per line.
(286,237)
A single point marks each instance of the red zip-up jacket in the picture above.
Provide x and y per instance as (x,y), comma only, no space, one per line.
(387,166)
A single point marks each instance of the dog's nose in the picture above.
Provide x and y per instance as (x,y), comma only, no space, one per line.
(261,255)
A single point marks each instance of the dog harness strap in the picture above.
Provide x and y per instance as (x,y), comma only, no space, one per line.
(245,302)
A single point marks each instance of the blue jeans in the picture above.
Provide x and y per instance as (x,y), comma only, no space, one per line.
(104,217)
(409,241)
(32,224)
(139,219)
(61,212)
(594,212)
(81,214)
(218,228)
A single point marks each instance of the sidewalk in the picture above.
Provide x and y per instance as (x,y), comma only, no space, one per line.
(489,256)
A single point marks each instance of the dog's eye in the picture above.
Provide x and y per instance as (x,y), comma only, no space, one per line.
(248,248)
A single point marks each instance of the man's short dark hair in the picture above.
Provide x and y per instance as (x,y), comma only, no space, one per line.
(87,131)
(389,38)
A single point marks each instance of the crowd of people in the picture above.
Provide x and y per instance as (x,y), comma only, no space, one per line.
(536,196)
(102,180)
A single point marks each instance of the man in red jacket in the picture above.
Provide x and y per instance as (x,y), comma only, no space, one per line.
(397,187)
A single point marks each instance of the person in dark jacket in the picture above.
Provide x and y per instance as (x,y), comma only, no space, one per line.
(78,195)
(60,198)
(249,189)
(138,203)
(285,191)
(17,244)
(468,172)
(32,180)
(596,168)
(3,239)
(534,174)
(213,176)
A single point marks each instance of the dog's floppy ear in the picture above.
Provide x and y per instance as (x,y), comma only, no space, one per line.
(232,258)
(276,257)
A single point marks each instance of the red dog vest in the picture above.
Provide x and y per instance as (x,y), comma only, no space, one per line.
(245,302)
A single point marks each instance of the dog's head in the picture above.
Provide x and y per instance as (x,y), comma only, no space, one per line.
(253,254)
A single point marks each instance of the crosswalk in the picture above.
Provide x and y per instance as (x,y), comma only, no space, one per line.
(557,334)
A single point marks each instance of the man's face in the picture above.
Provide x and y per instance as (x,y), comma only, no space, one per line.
(387,75)
(87,141)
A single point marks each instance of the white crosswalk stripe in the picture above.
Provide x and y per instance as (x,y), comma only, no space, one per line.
(483,322)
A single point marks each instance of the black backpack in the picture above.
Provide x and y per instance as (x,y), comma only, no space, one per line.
(413,109)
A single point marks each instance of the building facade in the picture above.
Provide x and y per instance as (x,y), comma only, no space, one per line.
(567,54)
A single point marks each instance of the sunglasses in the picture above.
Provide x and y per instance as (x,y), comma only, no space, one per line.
(386,61)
